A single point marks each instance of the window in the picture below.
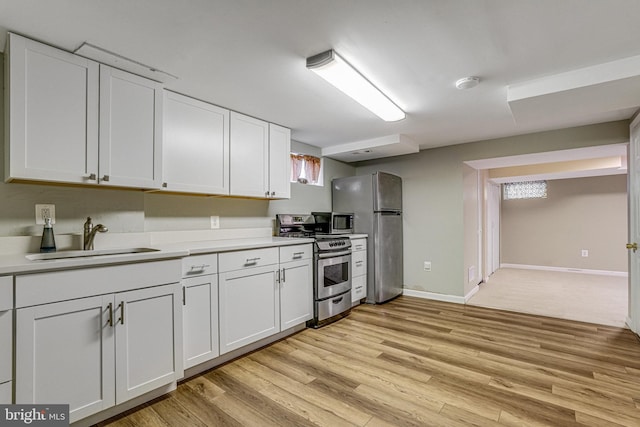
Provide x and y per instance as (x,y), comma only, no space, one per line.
(306,169)
(524,190)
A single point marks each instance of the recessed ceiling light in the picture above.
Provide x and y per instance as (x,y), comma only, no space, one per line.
(467,82)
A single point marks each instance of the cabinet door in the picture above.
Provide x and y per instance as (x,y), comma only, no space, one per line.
(148,340)
(6,345)
(130,130)
(296,293)
(65,354)
(279,162)
(200,319)
(53,113)
(249,307)
(358,288)
(249,161)
(195,146)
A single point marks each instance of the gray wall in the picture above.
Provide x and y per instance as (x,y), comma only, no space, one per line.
(581,213)
(433,197)
(126,211)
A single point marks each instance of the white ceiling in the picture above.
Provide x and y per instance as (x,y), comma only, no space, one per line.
(249,56)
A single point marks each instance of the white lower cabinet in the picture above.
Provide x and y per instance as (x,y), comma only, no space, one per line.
(263,292)
(98,351)
(6,340)
(249,306)
(296,285)
(200,309)
(359,269)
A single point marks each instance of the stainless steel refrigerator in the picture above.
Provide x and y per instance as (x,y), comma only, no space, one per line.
(376,202)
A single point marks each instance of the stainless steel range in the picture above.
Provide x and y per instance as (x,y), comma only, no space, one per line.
(331,269)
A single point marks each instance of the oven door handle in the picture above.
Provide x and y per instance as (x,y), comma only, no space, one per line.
(333,254)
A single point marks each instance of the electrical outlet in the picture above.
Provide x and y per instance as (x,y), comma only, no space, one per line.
(215,222)
(45,211)
(427,266)
(585,253)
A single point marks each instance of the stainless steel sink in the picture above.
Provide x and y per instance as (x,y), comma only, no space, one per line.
(81,254)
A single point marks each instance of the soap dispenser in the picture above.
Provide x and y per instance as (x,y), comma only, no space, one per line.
(48,243)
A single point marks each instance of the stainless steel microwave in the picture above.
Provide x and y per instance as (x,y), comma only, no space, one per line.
(334,222)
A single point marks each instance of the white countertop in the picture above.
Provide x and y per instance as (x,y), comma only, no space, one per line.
(18,263)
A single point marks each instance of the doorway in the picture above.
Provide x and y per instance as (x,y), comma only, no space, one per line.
(561,272)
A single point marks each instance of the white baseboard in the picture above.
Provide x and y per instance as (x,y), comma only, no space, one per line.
(433,296)
(566,269)
(471,293)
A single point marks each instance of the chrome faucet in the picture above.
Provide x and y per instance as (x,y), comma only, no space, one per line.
(90,233)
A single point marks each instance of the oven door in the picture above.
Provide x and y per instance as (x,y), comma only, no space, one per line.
(333,274)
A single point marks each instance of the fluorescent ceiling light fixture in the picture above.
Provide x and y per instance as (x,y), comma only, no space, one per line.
(331,67)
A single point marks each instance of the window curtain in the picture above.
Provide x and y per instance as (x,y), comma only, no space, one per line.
(305,166)
(312,168)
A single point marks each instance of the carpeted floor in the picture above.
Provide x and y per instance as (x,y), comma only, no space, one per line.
(574,296)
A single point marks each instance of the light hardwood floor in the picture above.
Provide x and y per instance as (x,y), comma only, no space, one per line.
(414,362)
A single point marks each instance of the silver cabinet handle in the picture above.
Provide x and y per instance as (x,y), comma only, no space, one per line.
(273,193)
(358,263)
(90,176)
(278,276)
(121,306)
(199,267)
(266,193)
(297,255)
(252,260)
(184,295)
(283,279)
(164,185)
(105,178)
(110,308)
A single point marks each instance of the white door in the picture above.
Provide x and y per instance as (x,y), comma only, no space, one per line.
(249,306)
(130,130)
(200,319)
(493,229)
(296,293)
(52,112)
(64,354)
(634,226)
(195,146)
(249,161)
(279,162)
(148,340)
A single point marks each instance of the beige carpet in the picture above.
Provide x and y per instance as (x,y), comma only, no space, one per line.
(574,296)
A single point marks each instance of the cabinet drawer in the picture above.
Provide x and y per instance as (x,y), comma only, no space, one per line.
(295,253)
(358,245)
(359,260)
(6,292)
(5,393)
(199,265)
(230,261)
(6,345)
(358,288)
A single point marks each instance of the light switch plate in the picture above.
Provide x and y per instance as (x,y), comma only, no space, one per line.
(45,211)
(215,222)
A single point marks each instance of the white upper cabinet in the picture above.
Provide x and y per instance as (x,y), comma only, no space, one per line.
(52,105)
(260,158)
(249,162)
(279,162)
(195,146)
(72,120)
(130,130)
